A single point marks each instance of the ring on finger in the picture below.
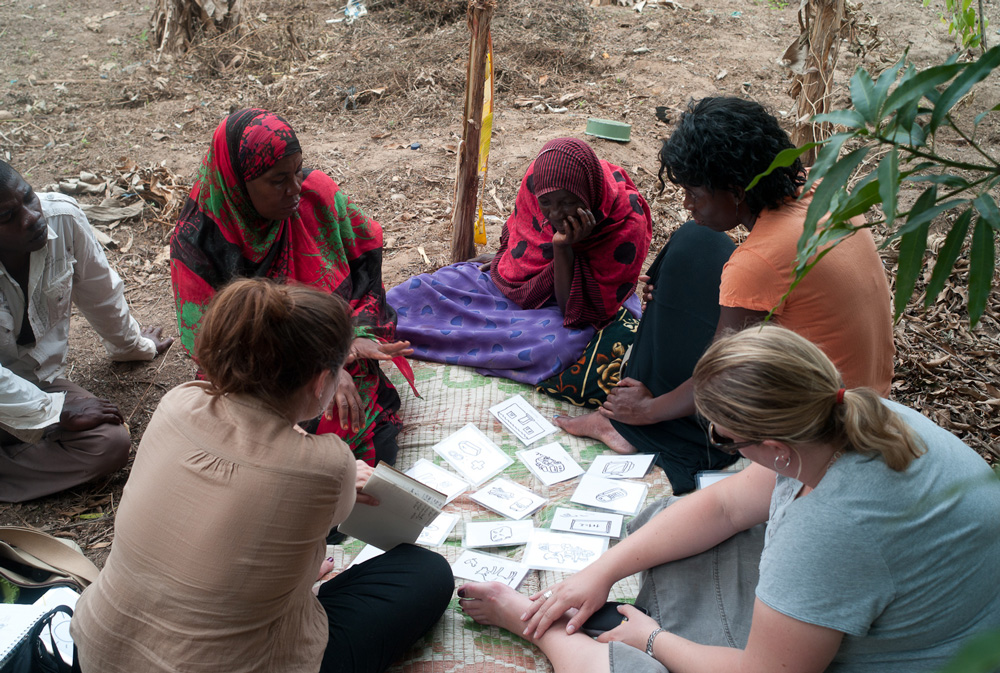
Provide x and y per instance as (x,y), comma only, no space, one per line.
(547,595)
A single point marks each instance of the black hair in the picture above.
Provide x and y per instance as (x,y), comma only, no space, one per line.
(724,143)
(7,173)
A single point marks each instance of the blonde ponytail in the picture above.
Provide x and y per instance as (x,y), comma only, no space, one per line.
(770,383)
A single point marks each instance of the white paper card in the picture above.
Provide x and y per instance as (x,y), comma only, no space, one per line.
(708,477)
(550,463)
(438,478)
(562,552)
(617,495)
(511,500)
(369,552)
(472,565)
(497,533)
(522,419)
(634,466)
(588,522)
(473,454)
(436,532)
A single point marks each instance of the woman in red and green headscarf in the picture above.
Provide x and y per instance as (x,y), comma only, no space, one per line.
(255,211)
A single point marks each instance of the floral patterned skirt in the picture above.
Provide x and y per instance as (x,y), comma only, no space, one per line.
(587,381)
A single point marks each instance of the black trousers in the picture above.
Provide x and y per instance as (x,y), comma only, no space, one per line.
(378,609)
(676,329)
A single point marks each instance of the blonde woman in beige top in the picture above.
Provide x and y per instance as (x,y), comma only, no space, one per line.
(221,530)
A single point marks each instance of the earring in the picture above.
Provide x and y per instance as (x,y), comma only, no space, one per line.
(788,461)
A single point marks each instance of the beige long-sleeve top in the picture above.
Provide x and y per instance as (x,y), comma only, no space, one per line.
(218,540)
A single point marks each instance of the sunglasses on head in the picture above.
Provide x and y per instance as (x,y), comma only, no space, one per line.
(725,444)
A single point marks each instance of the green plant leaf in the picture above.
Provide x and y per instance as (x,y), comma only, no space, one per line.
(863,96)
(859,201)
(981,115)
(925,201)
(972,75)
(826,157)
(979,655)
(925,216)
(833,182)
(784,159)
(947,256)
(945,179)
(919,85)
(852,119)
(888,184)
(987,208)
(885,80)
(982,259)
(912,246)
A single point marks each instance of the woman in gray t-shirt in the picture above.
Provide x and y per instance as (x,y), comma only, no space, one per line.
(882,532)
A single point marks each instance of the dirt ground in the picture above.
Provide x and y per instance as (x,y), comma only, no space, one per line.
(82,90)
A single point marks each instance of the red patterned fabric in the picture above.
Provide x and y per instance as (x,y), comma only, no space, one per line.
(329,244)
(607,263)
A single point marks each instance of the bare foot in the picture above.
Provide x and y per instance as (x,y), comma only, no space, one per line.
(596,426)
(494,604)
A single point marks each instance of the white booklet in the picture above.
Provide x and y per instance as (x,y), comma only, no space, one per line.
(369,551)
(497,533)
(588,522)
(473,454)
(505,497)
(439,479)
(472,565)
(522,419)
(617,495)
(634,466)
(562,552)
(550,463)
(437,530)
(405,508)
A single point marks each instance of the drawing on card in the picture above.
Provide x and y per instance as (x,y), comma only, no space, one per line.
(478,465)
(522,504)
(502,533)
(468,448)
(611,494)
(618,467)
(600,526)
(519,420)
(500,492)
(549,464)
(563,553)
(497,574)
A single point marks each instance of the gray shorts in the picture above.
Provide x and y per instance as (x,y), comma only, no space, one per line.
(707,598)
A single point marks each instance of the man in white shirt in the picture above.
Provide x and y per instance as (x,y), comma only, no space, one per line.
(54,434)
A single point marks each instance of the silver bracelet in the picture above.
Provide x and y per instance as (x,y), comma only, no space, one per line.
(649,643)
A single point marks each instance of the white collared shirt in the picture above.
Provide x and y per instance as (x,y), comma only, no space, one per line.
(71,267)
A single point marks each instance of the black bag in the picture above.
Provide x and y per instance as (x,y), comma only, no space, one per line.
(30,655)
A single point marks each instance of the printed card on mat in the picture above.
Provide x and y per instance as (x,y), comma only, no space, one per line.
(587,522)
(497,533)
(473,454)
(472,565)
(436,532)
(522,419)
(634,466)
(617,495)
(562,552)
(505,497)
(438,478)
(550,463)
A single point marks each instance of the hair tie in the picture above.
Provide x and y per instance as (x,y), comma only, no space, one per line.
(840,395)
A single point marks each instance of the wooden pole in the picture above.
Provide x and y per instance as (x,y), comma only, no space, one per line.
(463,220)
